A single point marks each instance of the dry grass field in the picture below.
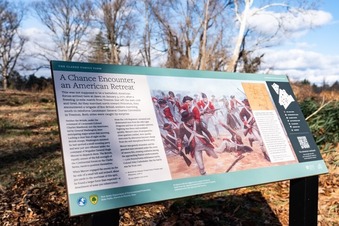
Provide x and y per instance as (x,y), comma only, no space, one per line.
(32,186)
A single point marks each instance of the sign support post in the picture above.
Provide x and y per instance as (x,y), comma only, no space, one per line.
(303,205)
(104,218)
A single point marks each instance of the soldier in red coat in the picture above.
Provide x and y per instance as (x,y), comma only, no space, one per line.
(188,105)
(207,111)
(166,113)
(199,139)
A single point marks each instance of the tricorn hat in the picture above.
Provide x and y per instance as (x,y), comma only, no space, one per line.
(167,126)
(185,116)
(203,95)
(187,98)
(162,101)
(245,101)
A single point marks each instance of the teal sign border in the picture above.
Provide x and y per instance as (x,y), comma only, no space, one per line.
(165,190)
(80,203)
(153,71)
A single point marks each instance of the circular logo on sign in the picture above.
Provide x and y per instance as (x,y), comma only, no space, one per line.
(82,201)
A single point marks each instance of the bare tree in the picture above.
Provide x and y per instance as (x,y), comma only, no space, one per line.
(203,39)
(191,31)
(217,54)
(146,36)
(68,22)
(178,28)
(192,34)
(11,42)
(117,20)
(245,9)
(209,45)
(219,34)
(169,16)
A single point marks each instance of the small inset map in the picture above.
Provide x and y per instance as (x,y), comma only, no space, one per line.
(285,99)
(258,96)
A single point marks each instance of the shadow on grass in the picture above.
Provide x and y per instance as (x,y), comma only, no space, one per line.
(16,158)
(245,209)
(250,209)
(10,127)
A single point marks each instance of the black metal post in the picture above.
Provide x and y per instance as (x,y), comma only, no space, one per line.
(105,218)
(303,208)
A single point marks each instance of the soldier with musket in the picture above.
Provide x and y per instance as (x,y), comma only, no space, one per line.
(199,139)
(207,111)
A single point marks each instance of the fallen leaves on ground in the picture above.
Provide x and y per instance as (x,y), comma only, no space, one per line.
(42,202)
(33,192)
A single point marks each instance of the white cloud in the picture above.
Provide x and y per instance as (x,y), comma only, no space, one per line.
(295,23)
(297,60)
(302,64)
(304,45)
(35,35)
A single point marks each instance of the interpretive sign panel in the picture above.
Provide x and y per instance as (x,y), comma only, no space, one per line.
(134,135)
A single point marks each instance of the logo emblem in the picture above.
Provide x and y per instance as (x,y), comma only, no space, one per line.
(94,199)
(82,201)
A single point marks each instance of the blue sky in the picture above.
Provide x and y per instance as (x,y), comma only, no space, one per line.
(325,38)
(312,54)
(315,54)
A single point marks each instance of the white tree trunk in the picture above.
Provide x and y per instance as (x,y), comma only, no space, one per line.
(204,38)
(242,18)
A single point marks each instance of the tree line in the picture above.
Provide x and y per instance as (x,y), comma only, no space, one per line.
(217,35)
